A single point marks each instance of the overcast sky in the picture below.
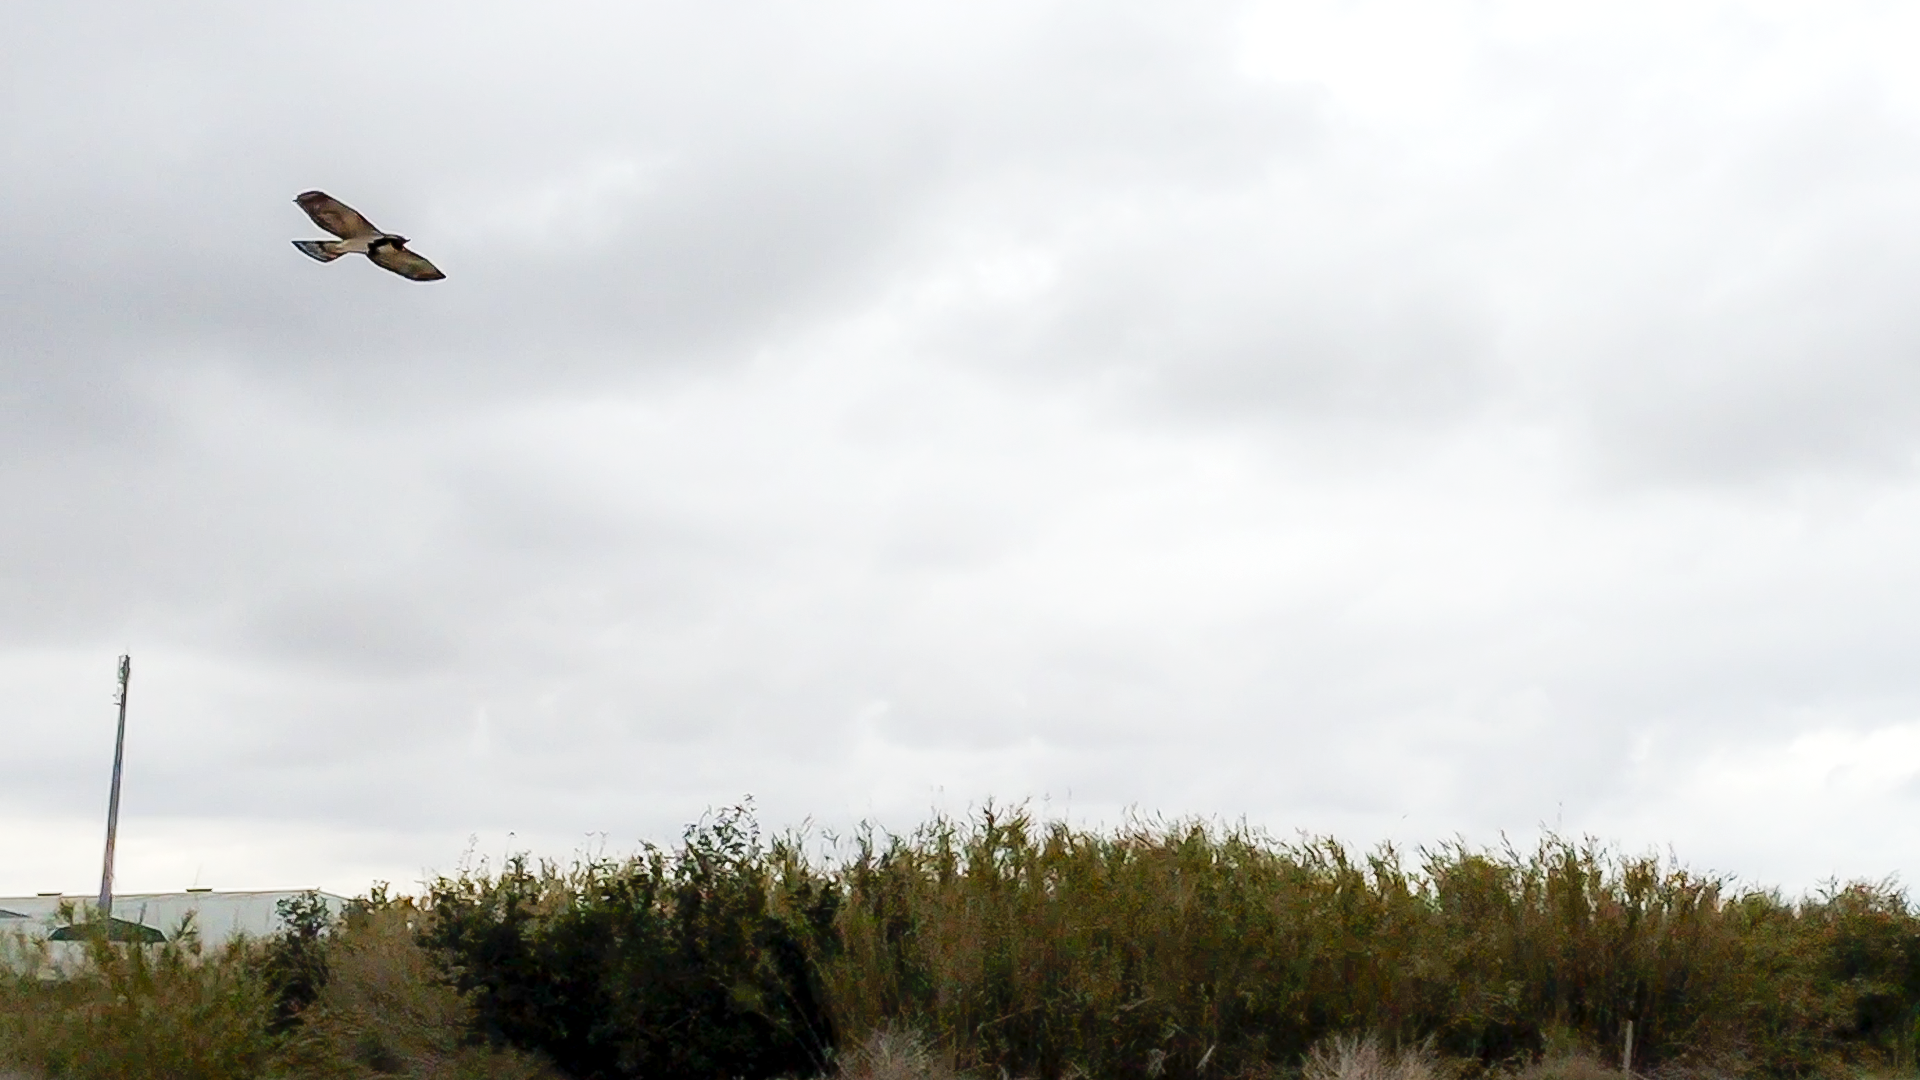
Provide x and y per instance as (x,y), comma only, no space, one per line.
(1403,421)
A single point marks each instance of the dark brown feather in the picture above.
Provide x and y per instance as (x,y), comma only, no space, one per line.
(335,216)
(403,262)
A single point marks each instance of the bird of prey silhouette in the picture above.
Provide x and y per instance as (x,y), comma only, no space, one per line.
(357,235)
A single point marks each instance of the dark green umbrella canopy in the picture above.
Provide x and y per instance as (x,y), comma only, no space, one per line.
(117,930)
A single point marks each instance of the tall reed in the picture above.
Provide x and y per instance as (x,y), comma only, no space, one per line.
(133,1012)
(1181,949)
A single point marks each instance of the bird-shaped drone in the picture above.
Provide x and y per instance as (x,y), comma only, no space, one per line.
(357,235)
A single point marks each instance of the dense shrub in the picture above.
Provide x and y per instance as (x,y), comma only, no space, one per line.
(382,1012)
(695,963)
(293,962)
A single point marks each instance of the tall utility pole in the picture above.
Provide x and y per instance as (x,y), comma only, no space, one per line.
(113,800)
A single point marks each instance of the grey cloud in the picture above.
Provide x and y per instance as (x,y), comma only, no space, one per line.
(1225,331)
(1808,363)
(354,627)
(859,406)
(755,204)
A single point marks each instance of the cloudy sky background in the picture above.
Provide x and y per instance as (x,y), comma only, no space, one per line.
(1395,420)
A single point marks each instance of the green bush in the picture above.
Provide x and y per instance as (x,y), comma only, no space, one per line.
(697,963)
(293,961)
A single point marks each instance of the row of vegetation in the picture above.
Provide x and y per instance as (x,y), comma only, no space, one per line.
(1011,948)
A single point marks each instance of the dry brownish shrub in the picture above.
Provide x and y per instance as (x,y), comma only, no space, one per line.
(383,1013)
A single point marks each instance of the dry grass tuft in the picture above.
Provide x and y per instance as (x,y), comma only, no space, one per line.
(1569,1066)
(1349,1057)
(895,1053)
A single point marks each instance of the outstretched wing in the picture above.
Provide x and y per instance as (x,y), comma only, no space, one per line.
(403,262)
(335,216)
(323,250)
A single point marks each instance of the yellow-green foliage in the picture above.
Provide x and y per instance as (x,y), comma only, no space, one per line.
(132,1012)
(1183,950)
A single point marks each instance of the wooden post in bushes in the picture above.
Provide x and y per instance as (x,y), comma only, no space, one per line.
(1626,1052)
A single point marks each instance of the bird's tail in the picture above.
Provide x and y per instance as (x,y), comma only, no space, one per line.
(323,250)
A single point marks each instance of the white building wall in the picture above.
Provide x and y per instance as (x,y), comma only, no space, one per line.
(217,916)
